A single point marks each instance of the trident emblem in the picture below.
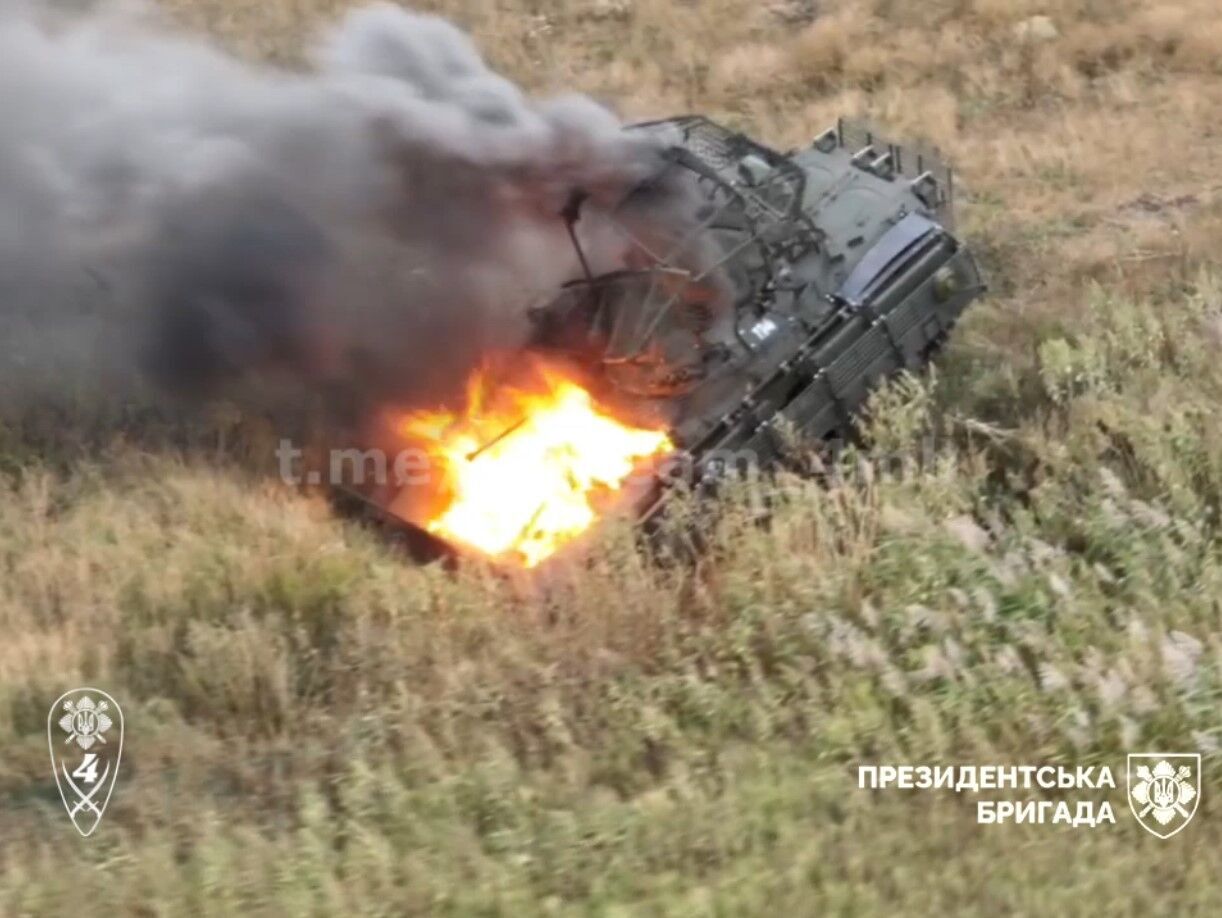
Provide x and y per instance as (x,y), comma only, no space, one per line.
(85,735)
(1164,798)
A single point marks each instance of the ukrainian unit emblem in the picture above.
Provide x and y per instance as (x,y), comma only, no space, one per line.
(85,735)
(1164,790)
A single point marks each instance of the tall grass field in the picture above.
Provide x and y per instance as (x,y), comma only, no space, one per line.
(316,726)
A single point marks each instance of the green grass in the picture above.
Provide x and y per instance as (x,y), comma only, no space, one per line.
(317,726)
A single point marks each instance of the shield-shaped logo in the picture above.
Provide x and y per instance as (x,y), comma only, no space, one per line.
(85,733)
(1164,790)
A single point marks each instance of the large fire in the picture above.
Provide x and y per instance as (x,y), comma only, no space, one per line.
(525,469)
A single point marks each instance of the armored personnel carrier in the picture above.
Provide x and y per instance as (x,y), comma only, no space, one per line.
(735,297)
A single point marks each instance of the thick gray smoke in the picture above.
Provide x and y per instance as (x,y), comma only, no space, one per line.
(372,224)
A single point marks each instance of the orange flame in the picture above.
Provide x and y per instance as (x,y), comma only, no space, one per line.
(527,470)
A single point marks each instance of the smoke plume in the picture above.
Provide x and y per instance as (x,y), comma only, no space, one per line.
(371,224)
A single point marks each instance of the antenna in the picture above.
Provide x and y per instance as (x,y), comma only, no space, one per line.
(571,214)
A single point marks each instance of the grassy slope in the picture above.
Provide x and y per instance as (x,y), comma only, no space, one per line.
(314,725)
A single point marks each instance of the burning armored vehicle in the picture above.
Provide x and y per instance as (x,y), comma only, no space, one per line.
(790,285)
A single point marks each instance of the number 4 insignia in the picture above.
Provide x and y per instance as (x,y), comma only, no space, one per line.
(95,729)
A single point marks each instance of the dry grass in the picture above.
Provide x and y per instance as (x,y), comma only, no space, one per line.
(317,727)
